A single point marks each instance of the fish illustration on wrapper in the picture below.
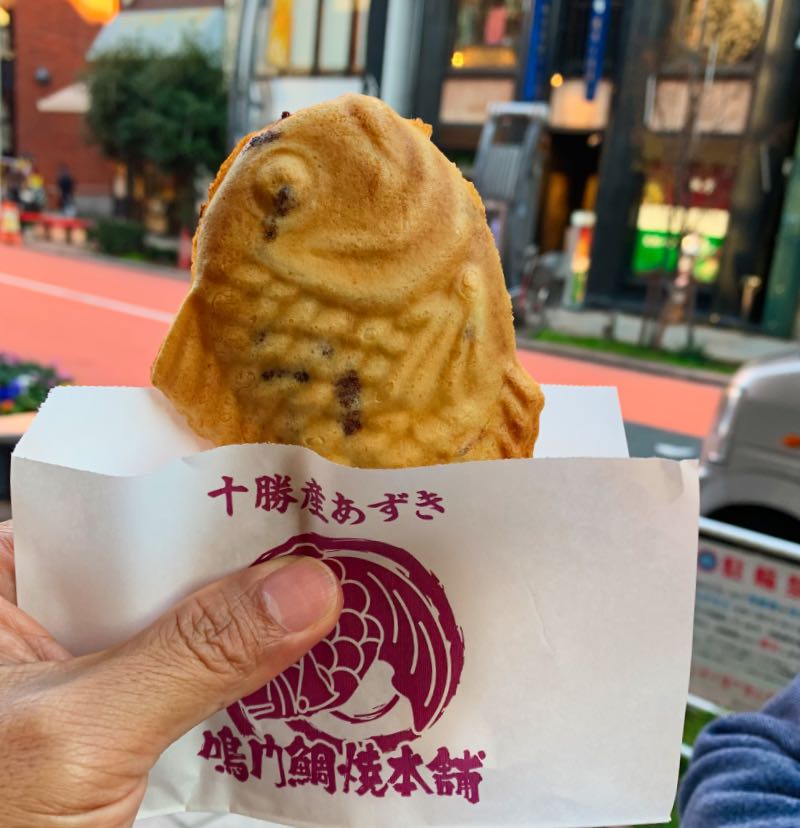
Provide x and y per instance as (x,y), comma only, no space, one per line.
(388,669)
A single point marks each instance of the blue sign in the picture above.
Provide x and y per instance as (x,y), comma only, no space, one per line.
(534,87)
(596,45)
(707,560)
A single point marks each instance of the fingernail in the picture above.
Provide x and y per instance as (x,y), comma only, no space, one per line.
(300,594)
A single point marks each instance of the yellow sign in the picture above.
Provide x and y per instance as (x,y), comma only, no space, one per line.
(96,11)
(280,34)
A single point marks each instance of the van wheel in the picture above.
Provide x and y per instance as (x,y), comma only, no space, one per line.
(760,519)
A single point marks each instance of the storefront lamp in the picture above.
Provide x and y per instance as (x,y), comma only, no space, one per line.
(96,11)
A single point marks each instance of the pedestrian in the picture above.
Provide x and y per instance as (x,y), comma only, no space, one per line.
(66,191)
(32,195)
(79,735)
(16,181)
(119,191)
(745,769)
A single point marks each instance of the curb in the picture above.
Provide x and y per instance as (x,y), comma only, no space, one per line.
(644,366)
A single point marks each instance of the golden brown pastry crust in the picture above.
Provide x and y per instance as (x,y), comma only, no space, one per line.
(347,296)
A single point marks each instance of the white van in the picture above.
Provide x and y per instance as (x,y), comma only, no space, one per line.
(750,472)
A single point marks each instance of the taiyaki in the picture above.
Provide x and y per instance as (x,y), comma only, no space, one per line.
(347,296)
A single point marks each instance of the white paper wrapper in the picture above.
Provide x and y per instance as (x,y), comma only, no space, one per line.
(516,643)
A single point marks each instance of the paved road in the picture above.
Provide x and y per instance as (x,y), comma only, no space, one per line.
(644,441)
(101,324)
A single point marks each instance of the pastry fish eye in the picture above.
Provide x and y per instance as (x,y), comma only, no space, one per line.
(283,201)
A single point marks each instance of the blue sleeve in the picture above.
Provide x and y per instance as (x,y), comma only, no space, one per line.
(745,770)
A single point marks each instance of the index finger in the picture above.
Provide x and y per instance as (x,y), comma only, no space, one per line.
(8,585)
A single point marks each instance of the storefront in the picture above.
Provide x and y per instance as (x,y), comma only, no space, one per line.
(485,63)
(708,109)
(563,52)
(289,54)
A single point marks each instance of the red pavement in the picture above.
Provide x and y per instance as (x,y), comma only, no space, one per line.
(646,399)
(94,345)
(101,324)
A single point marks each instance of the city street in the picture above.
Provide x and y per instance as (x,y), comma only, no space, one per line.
(631,180)
(101,324)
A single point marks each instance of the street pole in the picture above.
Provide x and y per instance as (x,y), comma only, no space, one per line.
(242,68)
(783,289)
(401,54)
(645,24)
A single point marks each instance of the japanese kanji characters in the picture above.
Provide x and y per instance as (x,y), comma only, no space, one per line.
(228,489)
(363,770)
(406,777)
(457,776)
(277,493)
(227,749)
(274,493)
(353,768)
(312,764)
(313,499)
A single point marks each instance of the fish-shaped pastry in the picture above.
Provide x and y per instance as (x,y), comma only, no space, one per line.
(347,296)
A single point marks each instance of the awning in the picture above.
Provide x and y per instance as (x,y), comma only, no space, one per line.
(162,31)
(73,98)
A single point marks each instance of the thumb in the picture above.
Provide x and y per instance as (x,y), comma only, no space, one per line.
(217,645)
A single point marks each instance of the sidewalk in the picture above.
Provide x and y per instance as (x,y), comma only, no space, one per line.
(720,344)
(86,254)
(643,366)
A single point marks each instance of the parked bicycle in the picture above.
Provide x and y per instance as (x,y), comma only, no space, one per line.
(540,287)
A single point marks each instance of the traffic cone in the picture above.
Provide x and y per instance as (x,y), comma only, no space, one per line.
(185,250)
(10,229)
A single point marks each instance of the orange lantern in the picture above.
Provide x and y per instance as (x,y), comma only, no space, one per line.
(96,11)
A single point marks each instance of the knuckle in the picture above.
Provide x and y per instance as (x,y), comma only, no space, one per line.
(220,635)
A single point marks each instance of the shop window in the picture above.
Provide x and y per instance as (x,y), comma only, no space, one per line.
(5,37)
(676,204)
(316,37)
(488,34)
(573,32)
(726,33)
(722,108)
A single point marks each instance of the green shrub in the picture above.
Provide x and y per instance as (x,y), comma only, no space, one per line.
(24,385)
(118,237)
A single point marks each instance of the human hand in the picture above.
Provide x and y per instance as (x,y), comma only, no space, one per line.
(79,735)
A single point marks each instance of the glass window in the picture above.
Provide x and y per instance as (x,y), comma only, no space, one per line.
(334,47)
(725,32)
(316,36)
(303,40)
(488,33)
(362,18)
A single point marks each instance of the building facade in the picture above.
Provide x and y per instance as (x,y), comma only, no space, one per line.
(289,54)
(51,40)
(699,143)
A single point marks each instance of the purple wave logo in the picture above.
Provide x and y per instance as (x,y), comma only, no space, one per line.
(388,669)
